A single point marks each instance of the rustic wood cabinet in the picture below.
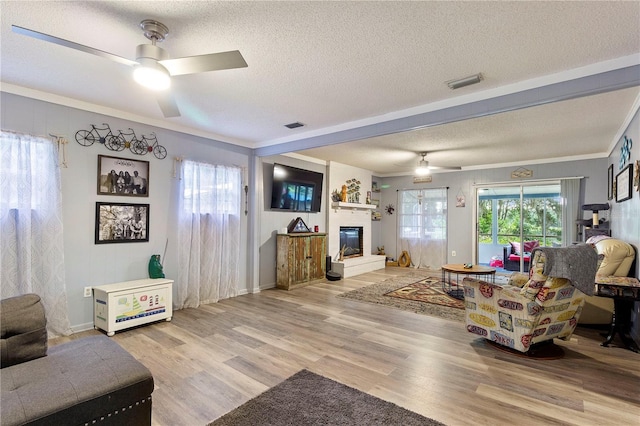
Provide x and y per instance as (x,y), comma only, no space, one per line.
(300,259)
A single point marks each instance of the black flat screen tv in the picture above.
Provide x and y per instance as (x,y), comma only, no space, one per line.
(296,190)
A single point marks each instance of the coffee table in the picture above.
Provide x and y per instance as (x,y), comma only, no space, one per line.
(459,269)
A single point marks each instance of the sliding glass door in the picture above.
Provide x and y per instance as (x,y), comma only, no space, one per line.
(513,219)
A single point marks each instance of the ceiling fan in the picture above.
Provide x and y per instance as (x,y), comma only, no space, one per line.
(152,67)
(424,168)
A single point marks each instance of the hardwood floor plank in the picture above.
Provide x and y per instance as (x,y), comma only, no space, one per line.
(209,360)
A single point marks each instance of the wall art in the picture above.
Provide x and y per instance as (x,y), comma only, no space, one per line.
(623,184)
(123,176)
(121,140)
(121,223)
(625,151)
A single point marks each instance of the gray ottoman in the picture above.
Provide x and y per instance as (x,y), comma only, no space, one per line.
(90,380)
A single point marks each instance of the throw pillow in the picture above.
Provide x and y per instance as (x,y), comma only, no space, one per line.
(515,248)
(530,245)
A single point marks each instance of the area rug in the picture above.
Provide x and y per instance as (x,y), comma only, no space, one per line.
(376,293)
(309,399)
(428,290)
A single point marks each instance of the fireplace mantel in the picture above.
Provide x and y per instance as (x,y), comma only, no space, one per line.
(352,206)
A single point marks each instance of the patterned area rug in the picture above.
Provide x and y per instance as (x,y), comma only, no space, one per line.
(377,294)
(428,290)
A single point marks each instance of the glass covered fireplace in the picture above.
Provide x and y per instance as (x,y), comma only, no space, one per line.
(351,241)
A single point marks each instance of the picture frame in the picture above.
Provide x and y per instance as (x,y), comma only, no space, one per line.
(624,184)
(121,223)
(610,182)
(297,225)
(123,176)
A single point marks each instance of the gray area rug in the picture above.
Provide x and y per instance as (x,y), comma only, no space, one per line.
(375,293)
(309,399)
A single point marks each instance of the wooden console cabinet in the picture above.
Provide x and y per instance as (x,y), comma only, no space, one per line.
(300,259)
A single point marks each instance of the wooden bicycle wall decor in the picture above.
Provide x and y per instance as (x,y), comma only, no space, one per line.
(121,140)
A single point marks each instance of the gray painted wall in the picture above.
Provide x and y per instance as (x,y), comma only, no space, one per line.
(88,264)
(271,221)
(593,190)
(625,216)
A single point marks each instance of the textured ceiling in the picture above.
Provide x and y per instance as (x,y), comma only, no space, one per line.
(335,65)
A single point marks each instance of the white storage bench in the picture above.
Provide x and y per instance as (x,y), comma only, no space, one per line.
(131,303)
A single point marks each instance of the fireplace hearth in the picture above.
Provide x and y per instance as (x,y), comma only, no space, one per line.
(351,241)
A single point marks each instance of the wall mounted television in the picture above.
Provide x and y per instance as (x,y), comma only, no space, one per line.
(296,190)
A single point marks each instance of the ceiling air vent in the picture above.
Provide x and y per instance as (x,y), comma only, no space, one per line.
(294,125)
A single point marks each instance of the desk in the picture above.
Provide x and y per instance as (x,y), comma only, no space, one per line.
(624,295)
(459,269)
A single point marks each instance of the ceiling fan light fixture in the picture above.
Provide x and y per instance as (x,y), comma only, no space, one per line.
(152,75)
(423,168)
(467,81)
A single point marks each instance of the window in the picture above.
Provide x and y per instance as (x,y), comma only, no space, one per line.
(423,214)
(422,226)
(208,234)
(31,237)
(211,189)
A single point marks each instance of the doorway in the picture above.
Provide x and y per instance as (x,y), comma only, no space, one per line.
(512,219)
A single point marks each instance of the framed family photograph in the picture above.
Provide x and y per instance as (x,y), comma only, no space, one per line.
(123,176)
(623,184)
(121,223)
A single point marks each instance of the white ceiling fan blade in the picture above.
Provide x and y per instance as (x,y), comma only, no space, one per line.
(72,45)
(204,63)
(168,104)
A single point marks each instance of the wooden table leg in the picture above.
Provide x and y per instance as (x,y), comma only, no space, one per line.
(621,324)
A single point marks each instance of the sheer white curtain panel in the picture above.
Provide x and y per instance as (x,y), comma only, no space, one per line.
(422,226)
(208,233)
(570,193)
(31,237)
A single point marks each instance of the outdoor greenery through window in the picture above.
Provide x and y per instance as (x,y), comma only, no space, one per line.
(499,216)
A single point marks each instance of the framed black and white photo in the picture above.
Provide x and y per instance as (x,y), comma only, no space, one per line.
(121,223)
(610,182)
(623,184)
(123,176)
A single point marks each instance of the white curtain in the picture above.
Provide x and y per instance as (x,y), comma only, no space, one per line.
(208,233)
(570,193)
(422,226)
(31,239)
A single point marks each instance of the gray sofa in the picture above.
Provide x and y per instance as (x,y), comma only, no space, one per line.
(90,380)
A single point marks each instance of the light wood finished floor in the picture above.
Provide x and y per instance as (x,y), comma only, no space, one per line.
(210,360)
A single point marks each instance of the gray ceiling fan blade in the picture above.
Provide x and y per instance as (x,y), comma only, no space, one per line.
(445,168)
(72,45)
(204,63)
(168,104)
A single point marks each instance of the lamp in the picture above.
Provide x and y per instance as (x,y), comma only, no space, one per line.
(151,75)
(462,82)
(423,167)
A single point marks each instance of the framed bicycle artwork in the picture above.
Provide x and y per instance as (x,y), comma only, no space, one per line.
(123,176)
(121,223)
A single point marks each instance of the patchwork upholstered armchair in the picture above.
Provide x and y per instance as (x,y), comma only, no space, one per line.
(547,306)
